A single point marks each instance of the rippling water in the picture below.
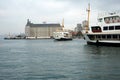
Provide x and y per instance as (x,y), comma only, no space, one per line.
(57,60)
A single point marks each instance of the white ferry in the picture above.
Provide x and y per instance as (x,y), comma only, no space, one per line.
(107,32)
(62,35)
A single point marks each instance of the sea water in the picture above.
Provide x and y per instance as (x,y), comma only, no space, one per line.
(47,59)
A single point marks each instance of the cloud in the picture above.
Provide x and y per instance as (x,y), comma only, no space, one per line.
(14,13)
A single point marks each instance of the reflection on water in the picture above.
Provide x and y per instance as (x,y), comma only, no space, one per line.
(102,49)
(104,62)
(57,60)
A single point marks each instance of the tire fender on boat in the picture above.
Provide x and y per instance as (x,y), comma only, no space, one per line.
(97,41)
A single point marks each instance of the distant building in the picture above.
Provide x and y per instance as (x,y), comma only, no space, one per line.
(78,28)
(84,24)
(77,31)
(40,30)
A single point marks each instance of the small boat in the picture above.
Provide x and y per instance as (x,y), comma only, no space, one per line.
(11,37)
(106,32)
(62,36)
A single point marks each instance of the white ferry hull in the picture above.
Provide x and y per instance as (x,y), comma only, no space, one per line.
(102,42)
(63,39)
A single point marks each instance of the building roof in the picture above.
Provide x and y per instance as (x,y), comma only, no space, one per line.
(43,25)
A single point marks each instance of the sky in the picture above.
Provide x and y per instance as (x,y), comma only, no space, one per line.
(14,13)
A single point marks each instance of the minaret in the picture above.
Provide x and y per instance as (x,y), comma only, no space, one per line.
(62,24)
(88,10)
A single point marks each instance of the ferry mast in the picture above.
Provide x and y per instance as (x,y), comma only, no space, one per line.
(88,18)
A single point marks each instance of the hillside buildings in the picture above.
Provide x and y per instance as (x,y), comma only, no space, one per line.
(36,31)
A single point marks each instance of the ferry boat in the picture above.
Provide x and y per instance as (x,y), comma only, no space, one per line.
(62,35)
(106,33)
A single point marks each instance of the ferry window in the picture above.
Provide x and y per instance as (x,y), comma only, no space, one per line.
(118,19)
(96,29)
(117,27)
(114,36)
(113,19)
(111,27)
(99,36)
(103,36)
(105,28)
(106,20)
(100,20)
(96,36)
(108,36)
(92,37)
(119,36)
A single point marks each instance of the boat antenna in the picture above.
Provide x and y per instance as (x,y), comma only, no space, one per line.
(88,10)
(62,24)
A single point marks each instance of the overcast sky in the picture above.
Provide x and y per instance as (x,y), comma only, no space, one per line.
(14,13)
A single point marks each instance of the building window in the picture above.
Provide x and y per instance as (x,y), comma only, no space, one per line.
(111,27)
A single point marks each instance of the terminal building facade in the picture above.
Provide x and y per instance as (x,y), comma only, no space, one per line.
(36,31)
